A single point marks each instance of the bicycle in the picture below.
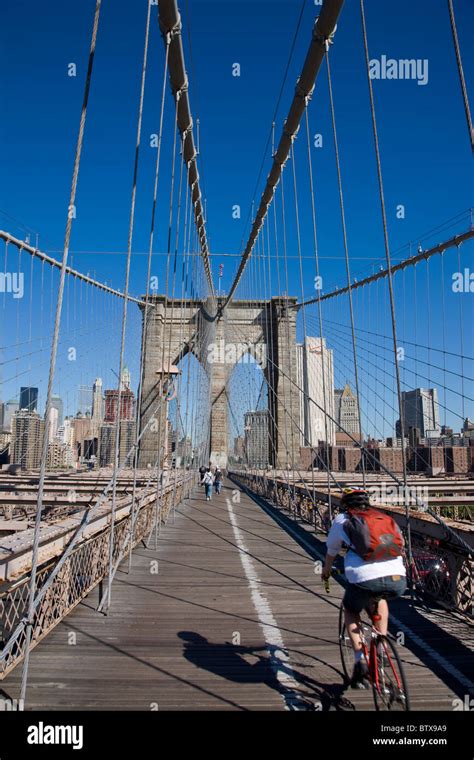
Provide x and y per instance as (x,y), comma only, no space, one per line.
(385,670)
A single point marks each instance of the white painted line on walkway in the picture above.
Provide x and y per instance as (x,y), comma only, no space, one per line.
(279,660)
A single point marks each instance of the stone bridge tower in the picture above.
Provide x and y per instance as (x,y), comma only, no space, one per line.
(265,329)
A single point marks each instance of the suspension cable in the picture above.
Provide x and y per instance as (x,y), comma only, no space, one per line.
(125,303)
(346,246)
(461,72)
(57,322)
(389,275)
(320,311)
(323,29)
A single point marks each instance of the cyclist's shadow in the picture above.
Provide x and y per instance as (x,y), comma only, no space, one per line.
(229,661)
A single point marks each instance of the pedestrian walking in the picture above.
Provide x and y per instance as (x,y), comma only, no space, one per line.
(218,480)
(208,480)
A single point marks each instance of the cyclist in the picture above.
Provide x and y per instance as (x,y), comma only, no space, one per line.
(373,566)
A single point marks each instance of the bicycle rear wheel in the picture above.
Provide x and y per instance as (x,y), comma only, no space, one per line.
(345,644)
(345,648)
(389,684)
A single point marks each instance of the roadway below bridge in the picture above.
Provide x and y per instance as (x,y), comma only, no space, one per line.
(227,613)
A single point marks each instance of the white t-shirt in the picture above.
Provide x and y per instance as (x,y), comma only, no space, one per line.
(357,569)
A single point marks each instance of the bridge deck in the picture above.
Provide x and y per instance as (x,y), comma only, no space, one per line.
(204,632)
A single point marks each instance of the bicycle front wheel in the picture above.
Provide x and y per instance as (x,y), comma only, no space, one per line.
(389,684)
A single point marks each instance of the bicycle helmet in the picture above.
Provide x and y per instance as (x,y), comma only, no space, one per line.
(354,498)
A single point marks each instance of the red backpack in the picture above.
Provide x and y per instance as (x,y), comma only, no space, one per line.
(374,536)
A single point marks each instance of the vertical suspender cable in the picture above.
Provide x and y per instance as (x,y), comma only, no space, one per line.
(163,383)
(52,366)
(320,312)
(443,322)
(125,304)
(346,253)
(461,338)
(389,279)
(287,323)
(147,294)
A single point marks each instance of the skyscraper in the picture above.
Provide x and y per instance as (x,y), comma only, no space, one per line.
(420,409)
(60,456)
(65,432)
(53,424)
(27,439)
(107,442)
(127,405)
(317,391)
(346,411)
(57,403)
(29,399)
(97,401)
(126,379)
(10,408)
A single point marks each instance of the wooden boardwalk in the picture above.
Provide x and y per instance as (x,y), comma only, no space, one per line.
(234,619)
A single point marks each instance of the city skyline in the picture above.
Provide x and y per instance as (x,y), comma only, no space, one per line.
(237,364)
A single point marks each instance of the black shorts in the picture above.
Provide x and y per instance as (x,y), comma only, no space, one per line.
(358,595)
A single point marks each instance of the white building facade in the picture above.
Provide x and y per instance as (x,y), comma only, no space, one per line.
(315,376)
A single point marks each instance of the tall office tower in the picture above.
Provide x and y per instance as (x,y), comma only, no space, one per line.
(97,402)
(53,424)
(57,403)
(66,432)
(126,379)
(107,443)
(420,409)
(2,415)
(257,448)
(315,377)
(11,407)
(29,399)
(127,405)
(346,410)
(84,400)
(27,439)
(60,456)
(85,428)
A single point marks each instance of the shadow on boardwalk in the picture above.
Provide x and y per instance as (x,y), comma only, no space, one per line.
(231,661)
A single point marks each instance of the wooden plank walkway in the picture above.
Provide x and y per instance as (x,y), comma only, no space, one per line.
(206,632)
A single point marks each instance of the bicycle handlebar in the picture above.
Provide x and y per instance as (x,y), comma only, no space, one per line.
(334,571)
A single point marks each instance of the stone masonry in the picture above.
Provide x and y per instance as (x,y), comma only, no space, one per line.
(265,329)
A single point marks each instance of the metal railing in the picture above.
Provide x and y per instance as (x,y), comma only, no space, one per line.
(84,568)
(442,571)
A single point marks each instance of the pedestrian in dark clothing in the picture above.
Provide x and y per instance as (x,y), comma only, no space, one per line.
(218,480)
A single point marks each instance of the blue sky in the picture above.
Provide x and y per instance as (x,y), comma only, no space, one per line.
(424,141)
